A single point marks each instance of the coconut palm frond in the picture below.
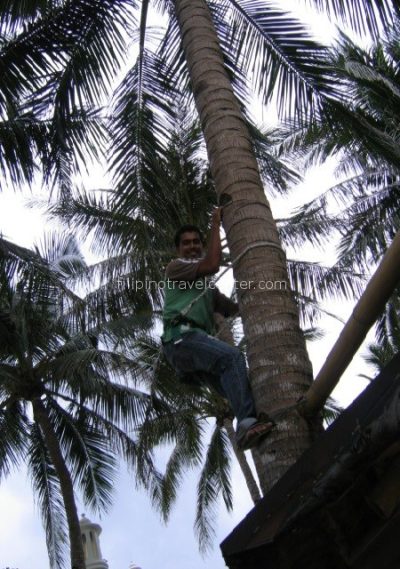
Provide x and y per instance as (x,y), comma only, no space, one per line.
(47,490)
(214,480)
(331,411)
(90,460)
(369,16)
(266,40)
(313,334)
(139,127)
(321,283)
(311,311)
(308,226)
(277,175)
(187,453)
(13,425)
(23,138)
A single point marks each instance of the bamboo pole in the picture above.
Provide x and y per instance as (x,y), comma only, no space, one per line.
(368,308)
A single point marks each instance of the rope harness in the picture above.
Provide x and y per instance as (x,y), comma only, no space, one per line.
(183,314)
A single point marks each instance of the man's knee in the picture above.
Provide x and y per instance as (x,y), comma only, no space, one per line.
(236,353)
(234,356)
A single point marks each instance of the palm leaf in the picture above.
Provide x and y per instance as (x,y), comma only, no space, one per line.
(214,480)
(13,427)
(47,490)
(277,51)
(90,459)
(320,283)
(368,16)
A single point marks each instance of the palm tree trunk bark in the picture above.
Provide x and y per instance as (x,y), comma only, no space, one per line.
(280,370)
(41,417)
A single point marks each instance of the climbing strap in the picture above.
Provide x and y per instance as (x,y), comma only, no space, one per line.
(187,308)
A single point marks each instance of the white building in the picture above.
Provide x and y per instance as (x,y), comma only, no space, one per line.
(91,545)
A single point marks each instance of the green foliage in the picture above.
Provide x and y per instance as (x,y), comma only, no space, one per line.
(359,126)
(387,343)
(59,60)
(186,430)
(48,353)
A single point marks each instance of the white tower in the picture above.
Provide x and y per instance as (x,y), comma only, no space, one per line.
(91,544)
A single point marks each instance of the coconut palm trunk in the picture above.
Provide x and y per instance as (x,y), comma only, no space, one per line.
(41,417)
(280,370)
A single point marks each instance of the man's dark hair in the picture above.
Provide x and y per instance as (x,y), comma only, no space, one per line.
(185,229)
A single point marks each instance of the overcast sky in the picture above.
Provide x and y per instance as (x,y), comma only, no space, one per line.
(132,531)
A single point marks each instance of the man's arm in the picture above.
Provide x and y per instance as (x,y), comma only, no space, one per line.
(210,264)
(224,305)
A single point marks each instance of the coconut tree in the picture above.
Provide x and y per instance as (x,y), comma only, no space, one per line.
(182,178)
(63,409)
(285,64)
(359,128)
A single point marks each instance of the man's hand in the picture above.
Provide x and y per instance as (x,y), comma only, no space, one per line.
(210,264)
(216,216)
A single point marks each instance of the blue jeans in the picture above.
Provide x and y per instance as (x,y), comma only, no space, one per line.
(225,367)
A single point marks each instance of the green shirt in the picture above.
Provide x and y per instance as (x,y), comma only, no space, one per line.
(182,290)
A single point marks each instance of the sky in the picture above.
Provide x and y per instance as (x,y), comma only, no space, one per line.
(132,530)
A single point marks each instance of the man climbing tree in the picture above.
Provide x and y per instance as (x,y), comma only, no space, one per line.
(190,301)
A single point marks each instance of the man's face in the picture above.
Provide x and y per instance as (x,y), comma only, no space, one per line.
(190,245)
